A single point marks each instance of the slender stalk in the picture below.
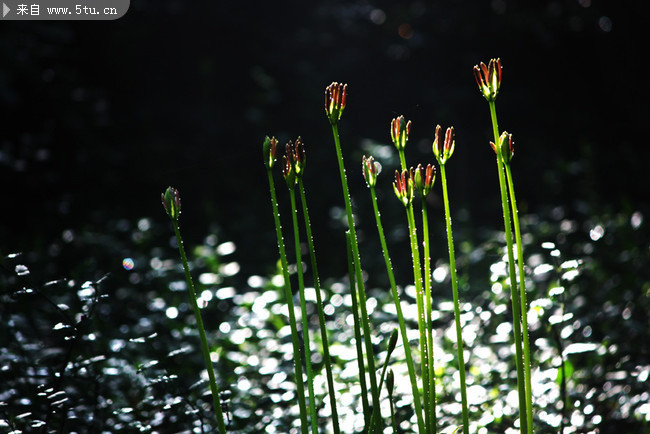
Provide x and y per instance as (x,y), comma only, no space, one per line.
(516,308)
(216,401)
(428,300)
(319,305)
(303,310)
(429,419)
(522,293)
(454,286)
(400,315)
(297,361)
(357,330)
(423,323)
(359,274)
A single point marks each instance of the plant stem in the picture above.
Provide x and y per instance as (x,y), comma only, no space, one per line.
(454,286)
(357,329)
(400,315)
(516,312)
(428,301)
(429,419)
(522,293)
(429,407)
(321,313)
(297,361)
(216,401)
(303,310)
(359,274)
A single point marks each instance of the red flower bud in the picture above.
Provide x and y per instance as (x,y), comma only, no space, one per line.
(506,146)
(424,178)
(335,99)
(399,132)
(403,187)
(444,150)
(488,78)
(371,169)
(269,149)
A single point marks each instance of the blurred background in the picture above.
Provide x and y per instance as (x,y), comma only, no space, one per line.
(98,118)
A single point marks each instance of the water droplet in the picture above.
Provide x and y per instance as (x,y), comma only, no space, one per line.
(128,264)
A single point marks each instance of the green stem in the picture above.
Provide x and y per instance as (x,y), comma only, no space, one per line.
(522,293)
(417,275)
(357,330)
(516,311)
(303,310)
(428,301)
(429,407)
(297,361)
(454,286)
(400,315)
(216,401)
(321,313)
(358,271)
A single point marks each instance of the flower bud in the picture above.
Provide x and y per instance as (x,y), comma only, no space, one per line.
(288,172)
(269,149)
(424,178)
(172,202)
(371,169)
(297,157)
(399,132)
(488,78)
(390,382)
(444,150)
(335,99)
(403,187)
(506,146)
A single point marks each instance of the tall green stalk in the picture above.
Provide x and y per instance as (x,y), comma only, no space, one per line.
(270,146)
(516,306)
(428,301)
(454,286)
(335,101)
(522,293)
(357,329)
(172,203)
(370,171)
(319,305)
(304,315)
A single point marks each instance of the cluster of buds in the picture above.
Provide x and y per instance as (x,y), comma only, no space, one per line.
(335,98)
(444,149)
(269,149)
(296,155)
(371,169)
(399,132)
(488,78)
(506,147)
(171,200)
(403,187)
(423,179)
(293,162)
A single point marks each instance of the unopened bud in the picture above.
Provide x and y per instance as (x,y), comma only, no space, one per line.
(488,78)
(371,169)
(171,200)
(443,150)
(335,99)
(399,132)
(424,178)
(403,187)
(269,149)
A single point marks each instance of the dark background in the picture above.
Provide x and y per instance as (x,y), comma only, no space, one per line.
(98,118)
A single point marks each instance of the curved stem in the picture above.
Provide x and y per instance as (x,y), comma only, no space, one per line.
(400,315)
(303,310)
(319,305)
(522,293)
(454,286)
(297,352)
(216,401)
(516,312)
